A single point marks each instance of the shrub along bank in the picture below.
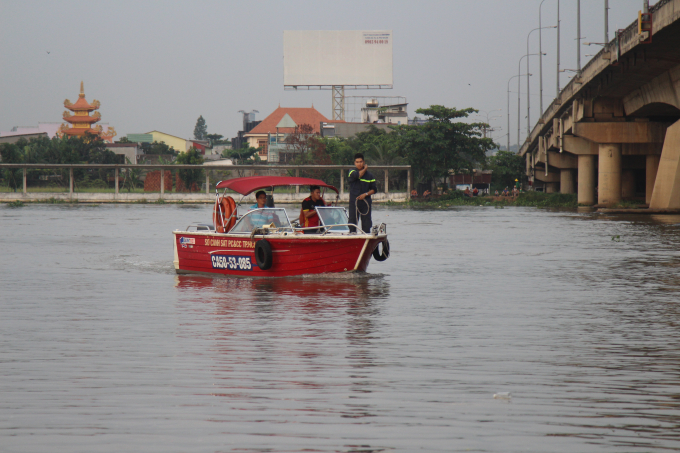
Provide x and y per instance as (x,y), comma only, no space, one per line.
(529,199)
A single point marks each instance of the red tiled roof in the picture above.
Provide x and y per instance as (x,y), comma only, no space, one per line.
(301,115)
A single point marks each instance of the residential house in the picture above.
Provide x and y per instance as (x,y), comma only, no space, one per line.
(261,134)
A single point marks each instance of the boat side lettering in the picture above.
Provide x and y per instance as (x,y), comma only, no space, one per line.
(229,243)
(232,262)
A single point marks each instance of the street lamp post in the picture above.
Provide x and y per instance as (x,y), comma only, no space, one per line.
(540,53)
(519,70)
(508,110)
(528,89)
(578,33)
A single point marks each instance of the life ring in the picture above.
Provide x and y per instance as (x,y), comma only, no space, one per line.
(263,254)
(224,214)
(385,251)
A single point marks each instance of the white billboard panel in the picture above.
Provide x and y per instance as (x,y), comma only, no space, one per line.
(337,57)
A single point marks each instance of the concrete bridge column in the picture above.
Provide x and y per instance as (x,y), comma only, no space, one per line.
(609,174)
(586,179)
(627,184)
(652,167)
(666,194)
(566,181)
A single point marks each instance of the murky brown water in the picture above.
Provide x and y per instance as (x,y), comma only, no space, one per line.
(104,349)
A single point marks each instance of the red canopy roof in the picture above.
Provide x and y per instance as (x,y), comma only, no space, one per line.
(244,186)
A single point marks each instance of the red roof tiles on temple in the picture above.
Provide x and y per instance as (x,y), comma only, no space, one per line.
(301,115)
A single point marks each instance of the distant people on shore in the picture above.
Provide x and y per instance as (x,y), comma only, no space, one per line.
(414,193)
(466,192)
(506,193)
(427,194)
(475,192)
(515,192)
(496,193)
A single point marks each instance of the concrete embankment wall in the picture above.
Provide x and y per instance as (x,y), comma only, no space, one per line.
(195,197)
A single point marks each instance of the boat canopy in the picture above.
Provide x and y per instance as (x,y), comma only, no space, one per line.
(250,184)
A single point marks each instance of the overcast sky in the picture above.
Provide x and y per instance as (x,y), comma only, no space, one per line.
(159,65)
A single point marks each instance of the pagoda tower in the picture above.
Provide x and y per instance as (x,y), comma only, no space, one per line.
(81,121)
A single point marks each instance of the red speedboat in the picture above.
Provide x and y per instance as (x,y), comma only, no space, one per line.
(265,243)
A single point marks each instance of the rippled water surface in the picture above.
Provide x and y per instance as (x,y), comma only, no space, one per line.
(104,349)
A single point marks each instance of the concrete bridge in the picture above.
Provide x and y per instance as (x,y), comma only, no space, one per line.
(613,133)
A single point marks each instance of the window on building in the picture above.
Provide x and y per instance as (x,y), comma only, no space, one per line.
(262,144)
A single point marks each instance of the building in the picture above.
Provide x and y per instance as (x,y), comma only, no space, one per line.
(16,137)
(179,144)
(81,121)
(43,128)
(248,124)
(130,151)
(390,114)
(261,134)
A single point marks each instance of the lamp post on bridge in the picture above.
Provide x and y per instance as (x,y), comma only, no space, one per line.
(508,110)
(528,89)
(540,52)
(519,70)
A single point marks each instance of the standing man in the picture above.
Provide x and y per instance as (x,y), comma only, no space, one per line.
(361,187)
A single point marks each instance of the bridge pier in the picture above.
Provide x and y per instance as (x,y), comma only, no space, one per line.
(586,179)
(609,174)
(627,184)
(566,181)
(651,167)
(666,194)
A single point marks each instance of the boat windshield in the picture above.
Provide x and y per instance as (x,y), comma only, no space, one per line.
(333,216)
(259,217)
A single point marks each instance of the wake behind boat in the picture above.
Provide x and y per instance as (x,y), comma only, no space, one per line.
(264,242)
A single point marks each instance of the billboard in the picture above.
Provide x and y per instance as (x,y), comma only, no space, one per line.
(323,58)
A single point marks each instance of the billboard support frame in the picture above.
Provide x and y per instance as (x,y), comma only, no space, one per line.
(339,103)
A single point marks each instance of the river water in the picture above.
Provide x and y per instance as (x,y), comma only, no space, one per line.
(104,349)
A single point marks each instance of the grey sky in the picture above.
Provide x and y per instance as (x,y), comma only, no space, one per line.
(159,65)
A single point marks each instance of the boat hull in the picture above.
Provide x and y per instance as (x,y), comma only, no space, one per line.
(210,253)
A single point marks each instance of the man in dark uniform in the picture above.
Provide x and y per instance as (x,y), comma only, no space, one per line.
(361,187)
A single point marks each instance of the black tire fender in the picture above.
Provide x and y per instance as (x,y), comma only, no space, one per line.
(385,251)
(263,254)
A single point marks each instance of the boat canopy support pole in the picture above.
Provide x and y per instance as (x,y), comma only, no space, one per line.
(207,183)
(342,182)
(116,178)
(297,175)
(162,182)
(24,180)
(70,182)
(387,182)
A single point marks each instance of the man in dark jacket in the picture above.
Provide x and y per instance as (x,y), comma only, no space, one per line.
(361,187)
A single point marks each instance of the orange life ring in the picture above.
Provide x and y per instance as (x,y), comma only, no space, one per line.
(224,214)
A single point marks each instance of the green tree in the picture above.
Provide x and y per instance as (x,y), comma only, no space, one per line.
(442,144)
(11,154)
(506,167)
(190,176)
(158,148)
(201,129)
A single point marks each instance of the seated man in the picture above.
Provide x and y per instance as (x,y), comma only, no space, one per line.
(262,217)
(309,214)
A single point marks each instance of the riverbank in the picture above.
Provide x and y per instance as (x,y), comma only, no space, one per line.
(528,199)
(173,197)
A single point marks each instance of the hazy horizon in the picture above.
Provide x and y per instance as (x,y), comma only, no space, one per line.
(159,65)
